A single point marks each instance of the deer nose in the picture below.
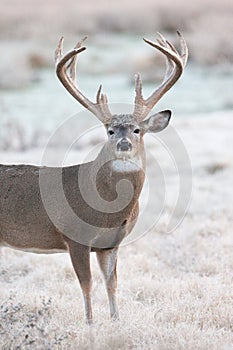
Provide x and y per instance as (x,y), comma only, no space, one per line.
(124,145)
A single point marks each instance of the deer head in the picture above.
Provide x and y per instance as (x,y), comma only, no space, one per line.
(125,132)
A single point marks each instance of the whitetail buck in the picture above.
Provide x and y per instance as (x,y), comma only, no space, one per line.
(24,220)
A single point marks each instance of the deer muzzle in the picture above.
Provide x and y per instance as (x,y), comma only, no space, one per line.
(124,145)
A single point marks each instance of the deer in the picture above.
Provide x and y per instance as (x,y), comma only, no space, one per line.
(102,195)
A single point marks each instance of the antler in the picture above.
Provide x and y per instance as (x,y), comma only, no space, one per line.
(175,63)
(66,72)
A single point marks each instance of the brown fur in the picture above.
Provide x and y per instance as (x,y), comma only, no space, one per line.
(46,209)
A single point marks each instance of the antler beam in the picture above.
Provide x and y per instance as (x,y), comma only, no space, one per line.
(66,72)
(175,63)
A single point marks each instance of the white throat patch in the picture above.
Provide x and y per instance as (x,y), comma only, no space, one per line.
(127,165)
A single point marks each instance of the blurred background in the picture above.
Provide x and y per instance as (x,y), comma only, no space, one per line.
(32,100)
(179,282)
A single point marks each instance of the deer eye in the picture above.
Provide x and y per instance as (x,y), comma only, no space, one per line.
(111,132)
(137,131)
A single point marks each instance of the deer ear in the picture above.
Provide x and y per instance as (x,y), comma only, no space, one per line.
(156,122)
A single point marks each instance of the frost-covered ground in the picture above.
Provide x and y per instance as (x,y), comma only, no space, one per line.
(175,289)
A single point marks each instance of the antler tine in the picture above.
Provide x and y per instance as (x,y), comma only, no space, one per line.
(184,48)
(169,63)
(66,72)
(161,39)
(71,67)
(175,65)
(80,43)
(58,52)
(102,101)
(138,89)
(98,94)
(138,102)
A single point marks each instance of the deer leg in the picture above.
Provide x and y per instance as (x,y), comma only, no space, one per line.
(80,257)
(107,261)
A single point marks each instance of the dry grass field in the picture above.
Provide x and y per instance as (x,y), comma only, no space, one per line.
(175,290)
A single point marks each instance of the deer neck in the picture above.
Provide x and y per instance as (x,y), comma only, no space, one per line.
(110,170)
(98,186)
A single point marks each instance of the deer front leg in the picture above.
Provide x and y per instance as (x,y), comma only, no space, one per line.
(80,257)
(107,261)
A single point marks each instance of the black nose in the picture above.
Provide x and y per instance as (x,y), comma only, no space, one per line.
(124,145)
